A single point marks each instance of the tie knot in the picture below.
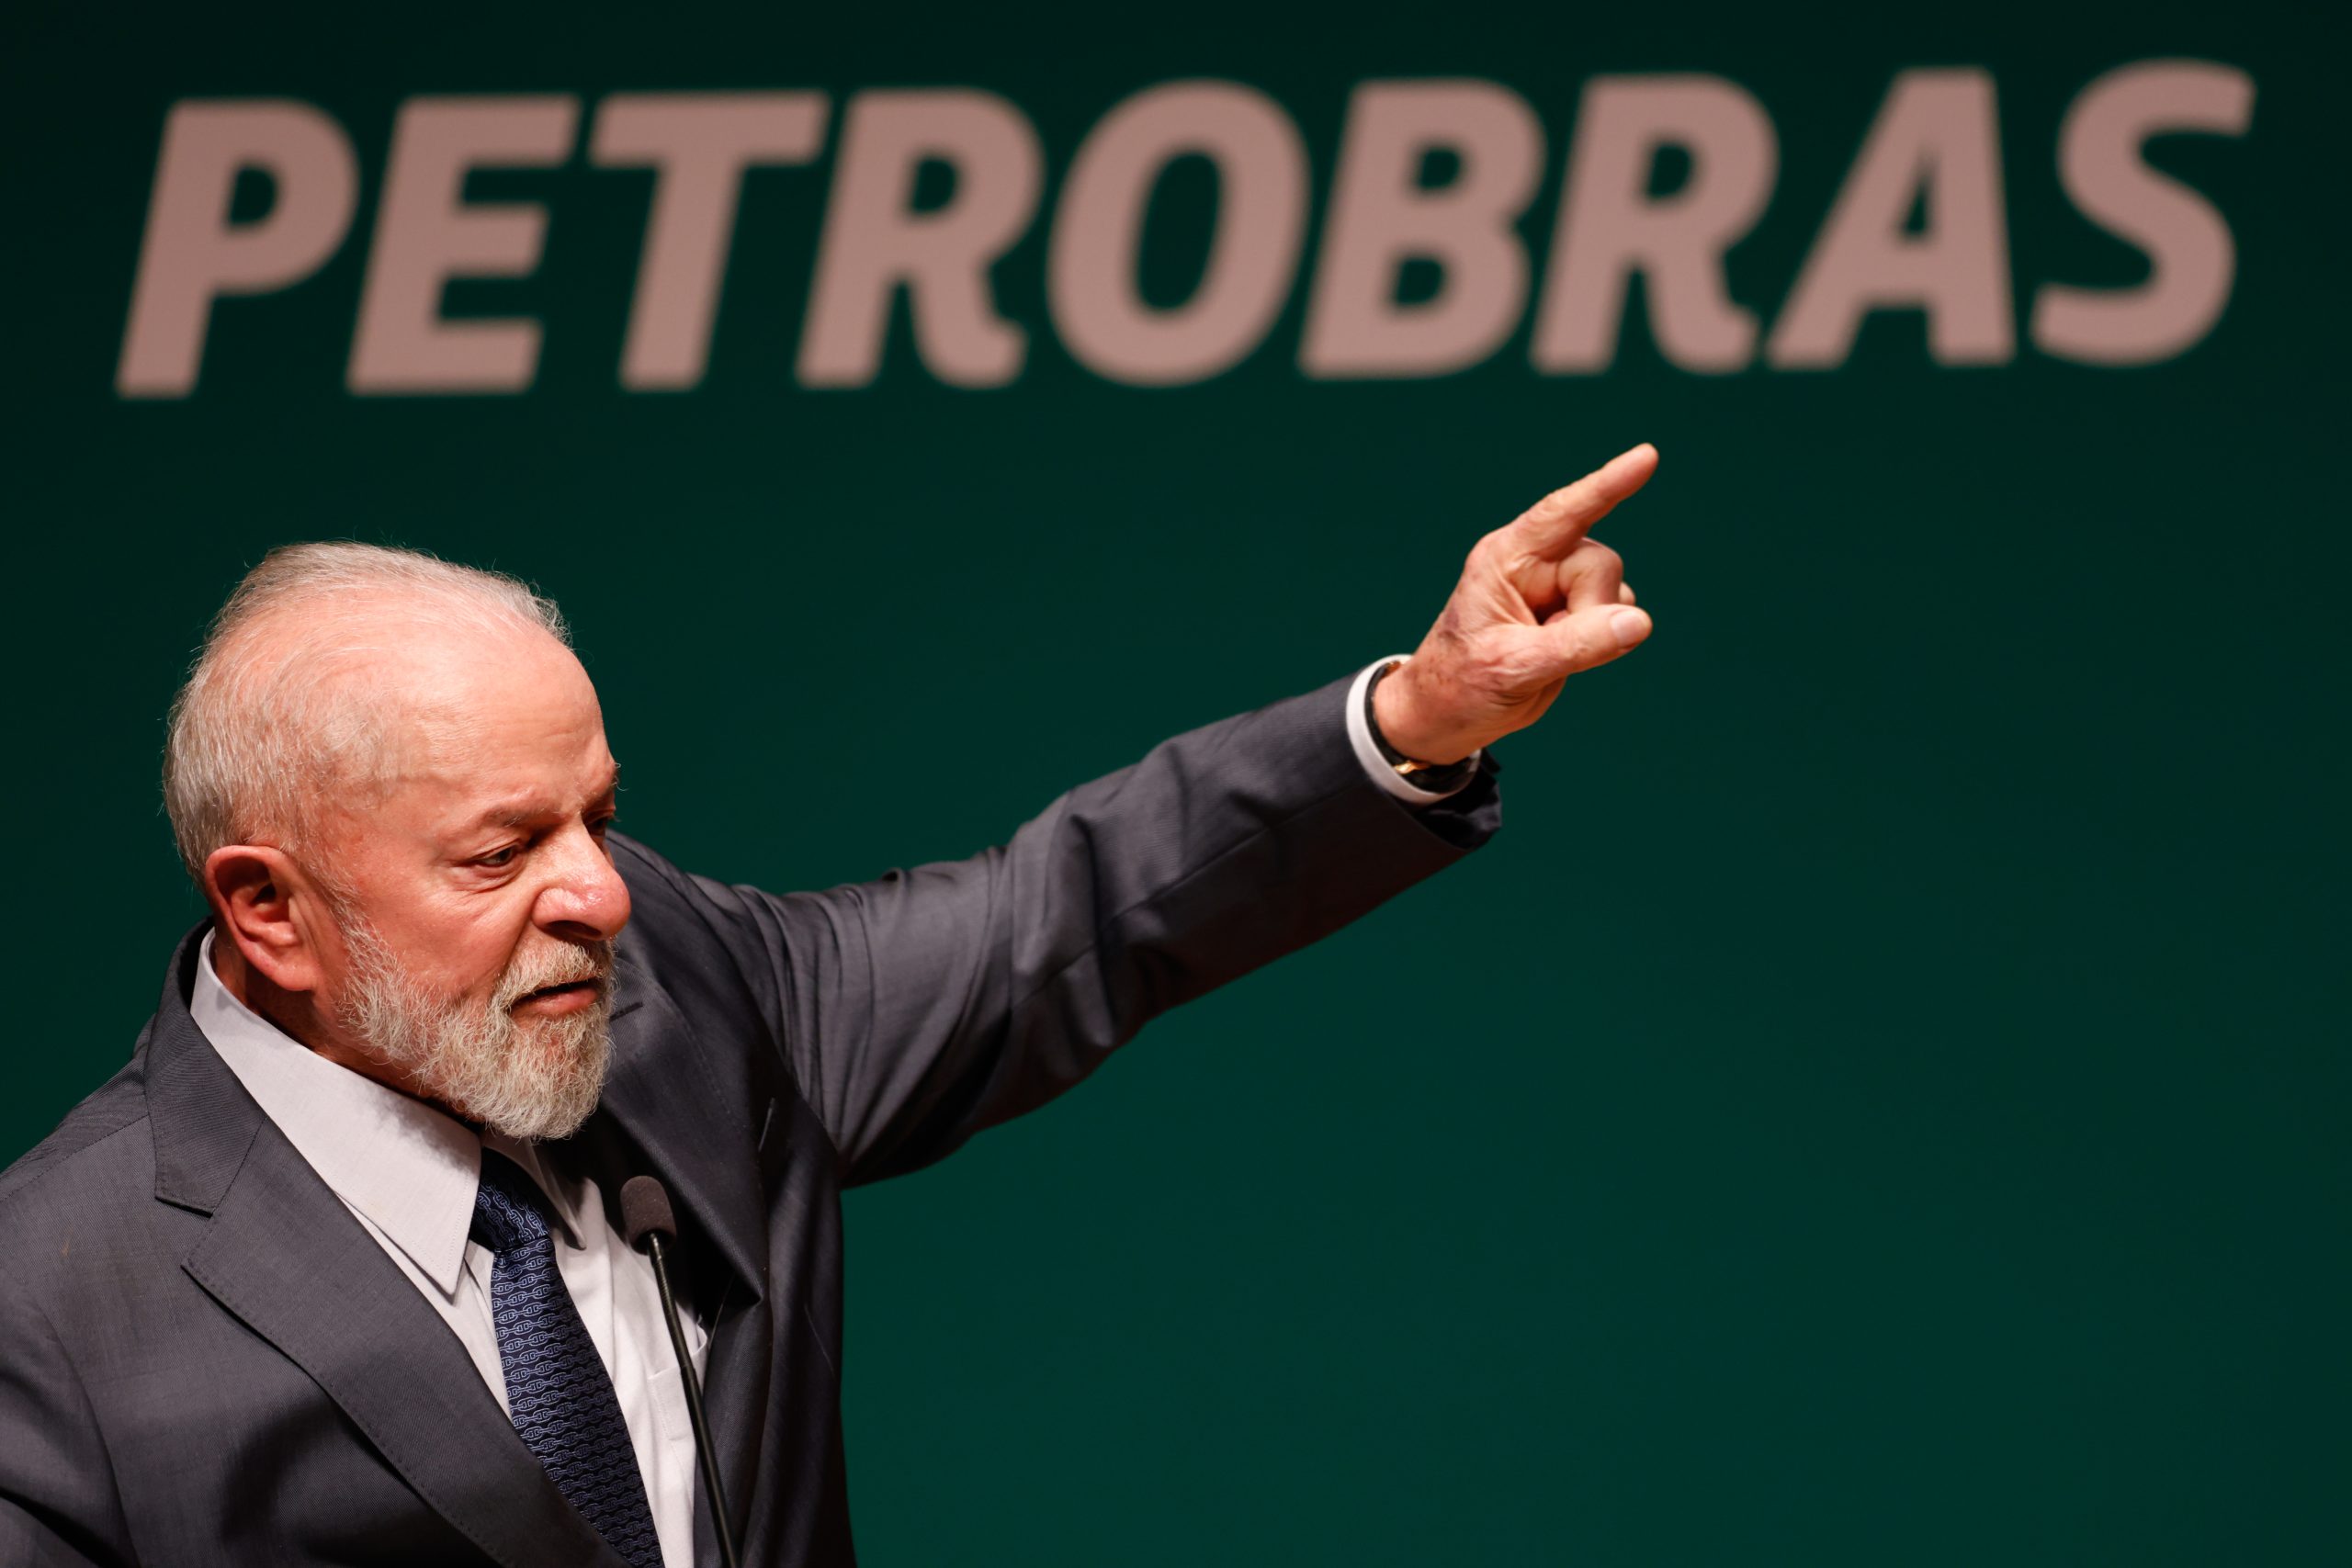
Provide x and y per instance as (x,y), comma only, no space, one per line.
(506,1206)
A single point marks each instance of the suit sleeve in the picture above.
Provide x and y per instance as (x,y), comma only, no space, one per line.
(916,1010)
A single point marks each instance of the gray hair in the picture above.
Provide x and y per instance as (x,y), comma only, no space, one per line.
(257,732)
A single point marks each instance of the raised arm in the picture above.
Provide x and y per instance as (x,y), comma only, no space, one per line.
(920,1007)
(916,1010)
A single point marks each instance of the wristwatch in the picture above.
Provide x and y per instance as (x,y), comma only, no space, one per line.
(1438,778)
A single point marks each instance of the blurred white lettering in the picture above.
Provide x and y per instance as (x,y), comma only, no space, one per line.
(1382,218)
(1936,144)
(426,233)
(2190,257)
(193,254)
(1254,252)
(1611,228)
(875,242)
(1422,270)
(701,143)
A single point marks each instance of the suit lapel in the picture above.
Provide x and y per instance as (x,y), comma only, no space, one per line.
(284,1256)
(691,1121)
(687,1119)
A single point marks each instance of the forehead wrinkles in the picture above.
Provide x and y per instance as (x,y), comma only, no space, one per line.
(359,703)
(479,715)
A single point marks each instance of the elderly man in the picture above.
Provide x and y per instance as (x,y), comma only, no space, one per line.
(332,1272)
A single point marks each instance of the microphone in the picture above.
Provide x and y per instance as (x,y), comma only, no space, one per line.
(647,1222)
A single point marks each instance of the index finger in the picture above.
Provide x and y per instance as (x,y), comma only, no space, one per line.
(1551,528)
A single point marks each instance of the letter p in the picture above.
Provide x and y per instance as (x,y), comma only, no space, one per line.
(193,254)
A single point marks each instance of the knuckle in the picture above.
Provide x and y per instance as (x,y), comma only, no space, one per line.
(1524,664)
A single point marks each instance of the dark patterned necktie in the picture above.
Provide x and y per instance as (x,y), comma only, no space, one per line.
(563,1405)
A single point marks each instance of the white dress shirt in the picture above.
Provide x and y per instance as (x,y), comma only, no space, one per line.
(1368,751)
(409,1172)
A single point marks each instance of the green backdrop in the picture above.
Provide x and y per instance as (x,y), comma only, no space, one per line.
(1883,1098)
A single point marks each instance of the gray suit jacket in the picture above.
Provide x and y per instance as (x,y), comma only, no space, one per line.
(205,1360)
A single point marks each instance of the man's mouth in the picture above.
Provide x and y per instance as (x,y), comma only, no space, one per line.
(583,989)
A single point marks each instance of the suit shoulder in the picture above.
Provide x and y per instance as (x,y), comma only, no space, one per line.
(96,1146)
(663,895)
(690,932)
(674,907)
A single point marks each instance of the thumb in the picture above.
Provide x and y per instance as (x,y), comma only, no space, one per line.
(1592,636)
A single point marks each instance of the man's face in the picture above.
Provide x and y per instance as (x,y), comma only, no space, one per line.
(471,958)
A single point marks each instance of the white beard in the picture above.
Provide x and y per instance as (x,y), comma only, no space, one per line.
(528,1079)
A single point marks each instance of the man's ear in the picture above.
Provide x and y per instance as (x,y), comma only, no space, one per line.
(266,904)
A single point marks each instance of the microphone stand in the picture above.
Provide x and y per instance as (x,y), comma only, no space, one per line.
(652,1241)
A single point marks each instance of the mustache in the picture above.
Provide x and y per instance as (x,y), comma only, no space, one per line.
(588,962)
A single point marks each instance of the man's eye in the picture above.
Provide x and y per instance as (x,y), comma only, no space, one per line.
(505,857)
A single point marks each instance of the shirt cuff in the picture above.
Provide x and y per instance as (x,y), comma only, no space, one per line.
(1378,766)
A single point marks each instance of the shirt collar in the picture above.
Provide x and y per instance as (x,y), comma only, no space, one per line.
(411,1168)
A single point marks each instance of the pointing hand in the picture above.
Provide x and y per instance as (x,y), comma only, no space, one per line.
(1539,601)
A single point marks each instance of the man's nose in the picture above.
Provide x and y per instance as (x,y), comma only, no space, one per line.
(584,899)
